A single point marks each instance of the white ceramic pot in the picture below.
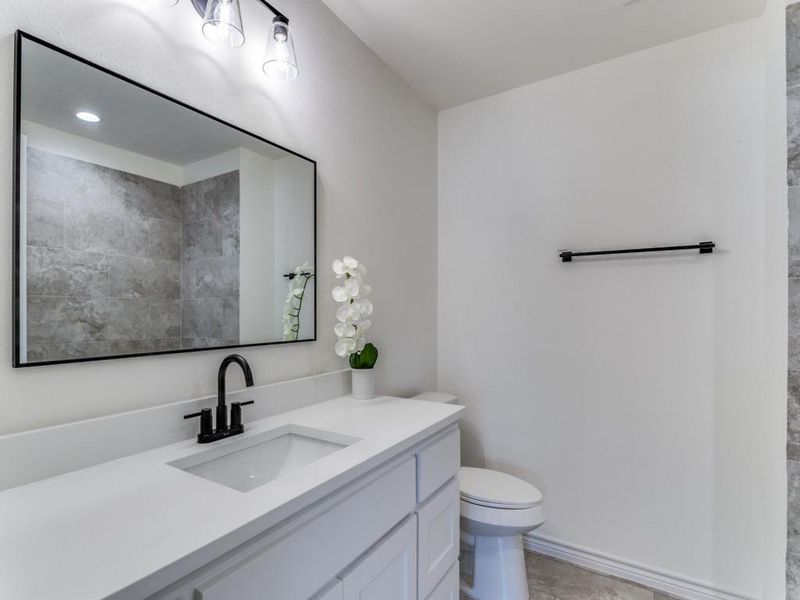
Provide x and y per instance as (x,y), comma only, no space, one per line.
(363,384)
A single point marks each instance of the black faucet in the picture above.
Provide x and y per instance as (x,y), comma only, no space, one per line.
(207,431)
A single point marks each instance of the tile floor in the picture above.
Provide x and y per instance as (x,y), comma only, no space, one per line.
(551,579)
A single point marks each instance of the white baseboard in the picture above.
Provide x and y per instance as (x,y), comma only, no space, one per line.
(671,584)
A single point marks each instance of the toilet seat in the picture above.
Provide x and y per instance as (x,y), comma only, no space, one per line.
(493,489)
(486,520)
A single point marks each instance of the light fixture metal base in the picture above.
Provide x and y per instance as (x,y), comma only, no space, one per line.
(200,7)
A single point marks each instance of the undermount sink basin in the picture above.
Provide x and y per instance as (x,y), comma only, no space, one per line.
(252,461)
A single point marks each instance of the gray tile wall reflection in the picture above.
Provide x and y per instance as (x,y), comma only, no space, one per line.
(103,264)
(210,262)
(122,264)
(793,432)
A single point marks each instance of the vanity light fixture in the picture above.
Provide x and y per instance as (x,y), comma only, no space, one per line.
(280,61)
(87,116)
(222,25)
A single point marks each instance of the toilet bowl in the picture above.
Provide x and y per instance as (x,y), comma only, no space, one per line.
(496,509)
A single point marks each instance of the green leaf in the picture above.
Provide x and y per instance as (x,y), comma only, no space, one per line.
(365,359)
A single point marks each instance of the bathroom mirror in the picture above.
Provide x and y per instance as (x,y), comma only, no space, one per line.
(144,226)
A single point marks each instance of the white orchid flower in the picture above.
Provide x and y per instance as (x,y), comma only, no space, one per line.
(343,313)
(350,262)
(352,287)
(364,306)
(350,329)
(345,347)
(349,291)
(344,330)
(294,301)
(339,268)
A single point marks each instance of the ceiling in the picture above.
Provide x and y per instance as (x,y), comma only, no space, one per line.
(55,87)
(455,51)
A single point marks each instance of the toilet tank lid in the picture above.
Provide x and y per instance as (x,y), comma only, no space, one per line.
(498,489)
(437,397)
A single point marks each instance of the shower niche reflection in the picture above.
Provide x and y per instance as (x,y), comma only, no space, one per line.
(145,226)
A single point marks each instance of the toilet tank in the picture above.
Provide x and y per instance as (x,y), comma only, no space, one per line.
(437,397)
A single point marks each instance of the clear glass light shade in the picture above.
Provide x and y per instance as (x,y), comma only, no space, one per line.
(222,24)
(280,62)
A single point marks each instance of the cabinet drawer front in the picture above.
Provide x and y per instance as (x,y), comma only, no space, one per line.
(389,570)
(299,564)
(438,537)
(436,463)
(448,588)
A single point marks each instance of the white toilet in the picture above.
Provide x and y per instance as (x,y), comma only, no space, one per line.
(496,509)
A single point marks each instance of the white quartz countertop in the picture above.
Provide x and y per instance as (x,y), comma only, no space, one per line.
(129,527)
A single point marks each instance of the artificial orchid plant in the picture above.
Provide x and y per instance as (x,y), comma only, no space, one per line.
(352,325)
(298,281)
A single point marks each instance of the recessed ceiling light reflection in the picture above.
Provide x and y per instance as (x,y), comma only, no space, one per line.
(89,117)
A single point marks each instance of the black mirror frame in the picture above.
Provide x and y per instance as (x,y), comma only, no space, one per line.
(19,37)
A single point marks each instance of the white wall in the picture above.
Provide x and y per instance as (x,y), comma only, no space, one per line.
(213,166)
(375,142)
(85,149)
(294,183)
(634,392)
(257,277)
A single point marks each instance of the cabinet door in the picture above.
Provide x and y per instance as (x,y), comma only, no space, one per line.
(448,588)
(389,570)
(438,536)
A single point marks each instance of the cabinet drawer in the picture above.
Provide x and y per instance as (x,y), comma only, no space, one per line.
(389,570)
(438,522)
(448,588)
(437,462)
(299,562)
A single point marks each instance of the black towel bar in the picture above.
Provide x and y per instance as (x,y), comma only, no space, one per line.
(703,247)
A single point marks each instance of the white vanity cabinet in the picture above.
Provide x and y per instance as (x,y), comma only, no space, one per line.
(392,534)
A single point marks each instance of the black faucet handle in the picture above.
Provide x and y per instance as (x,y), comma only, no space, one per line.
(206,421)
(236,412)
